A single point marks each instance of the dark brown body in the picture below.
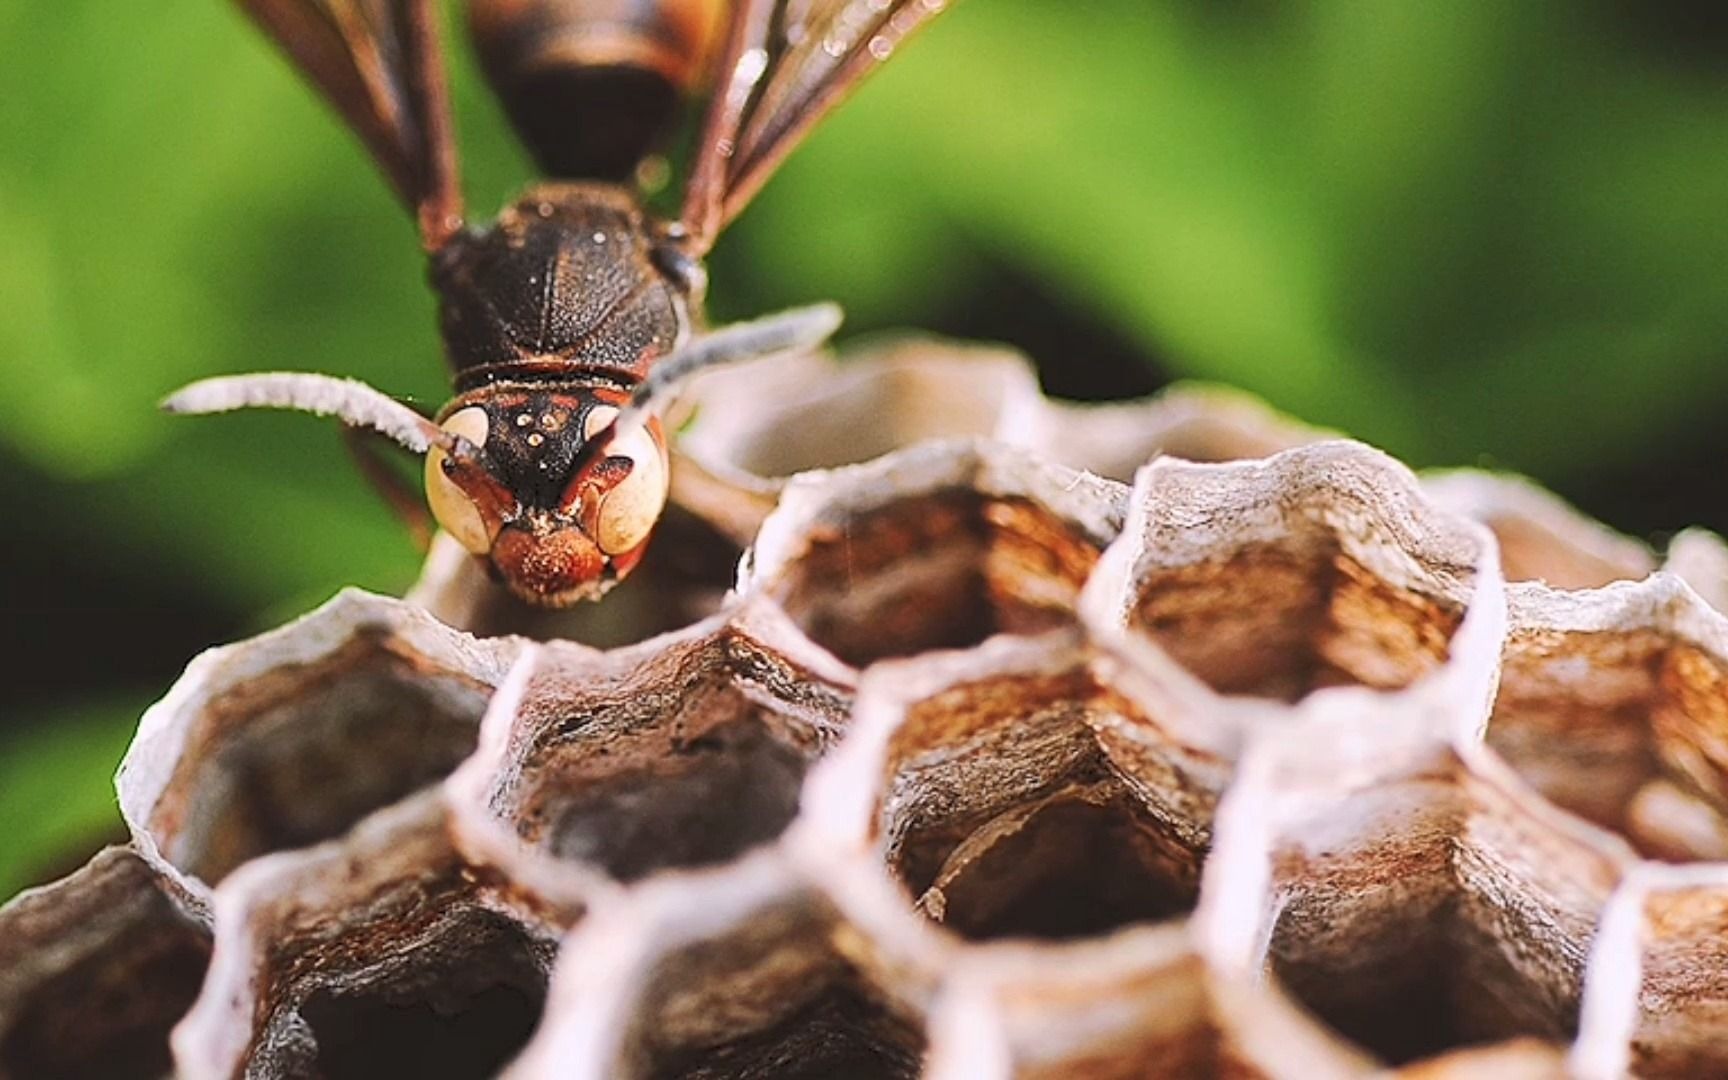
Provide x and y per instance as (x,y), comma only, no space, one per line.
(551,317)
(572,282)
(558,309)
(555,318)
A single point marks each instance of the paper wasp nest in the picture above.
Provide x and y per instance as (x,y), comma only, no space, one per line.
(947,731)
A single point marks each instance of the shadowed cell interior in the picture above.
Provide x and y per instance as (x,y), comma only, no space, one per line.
(304,752)
(938,571)
(1001,816)
(771,997)
(691,761)
(109,1013)
(1427,939)
(459,1011)
(1282,620)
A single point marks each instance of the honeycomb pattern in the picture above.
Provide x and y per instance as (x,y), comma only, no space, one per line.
(950,732)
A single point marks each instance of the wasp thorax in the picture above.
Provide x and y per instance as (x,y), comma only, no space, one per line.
(558,520)
(571,276)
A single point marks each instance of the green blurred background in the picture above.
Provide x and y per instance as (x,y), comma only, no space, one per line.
(1477,232)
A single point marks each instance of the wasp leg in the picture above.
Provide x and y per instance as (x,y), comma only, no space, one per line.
(399,494)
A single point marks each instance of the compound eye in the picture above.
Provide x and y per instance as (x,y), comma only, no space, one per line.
(455,511)
(628,512)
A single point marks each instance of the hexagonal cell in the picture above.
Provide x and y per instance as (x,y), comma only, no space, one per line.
(1320,567)
(292,737)
(1542,537)
(754,425)
(746,972)
(383,953)
(1311,611)
(1611,704)
(976,779)
(1192,421)
(939,546)
(1084,859)
(1416,898)
(684,751)
(94,971)
(1139,1003)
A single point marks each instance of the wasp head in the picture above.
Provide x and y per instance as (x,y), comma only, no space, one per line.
(556,521)
(556,486)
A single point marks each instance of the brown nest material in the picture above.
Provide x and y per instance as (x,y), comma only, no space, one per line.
(947,731)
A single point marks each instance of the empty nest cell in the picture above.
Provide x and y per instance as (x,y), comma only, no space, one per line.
(1322,566)
(465,1010)
(1424,912)
(741,973)
(1281,621)
(944,571)
(1614,704)
(291,738)
(1078,1014)
(976,778)
(463,1013)
(1082,859)
(94,971)
(768,420)
(753,426)
(937,547)
(773,998)
(379,954)
(685,752)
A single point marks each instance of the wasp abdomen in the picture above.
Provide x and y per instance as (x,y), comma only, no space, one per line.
(592,85)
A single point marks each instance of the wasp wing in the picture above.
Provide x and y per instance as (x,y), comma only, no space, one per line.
(786,65)
(379,62)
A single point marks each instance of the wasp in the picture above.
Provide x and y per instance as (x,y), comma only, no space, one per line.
(569,320)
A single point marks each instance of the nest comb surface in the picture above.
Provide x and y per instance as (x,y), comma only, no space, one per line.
(946,731)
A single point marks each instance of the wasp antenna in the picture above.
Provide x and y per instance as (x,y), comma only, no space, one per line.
(786,331)
(352,402)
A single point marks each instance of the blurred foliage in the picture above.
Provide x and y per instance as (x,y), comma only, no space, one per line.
(56,788)
(1467,232)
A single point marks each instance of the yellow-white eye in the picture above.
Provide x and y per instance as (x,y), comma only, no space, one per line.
(455,511)
(628,512)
